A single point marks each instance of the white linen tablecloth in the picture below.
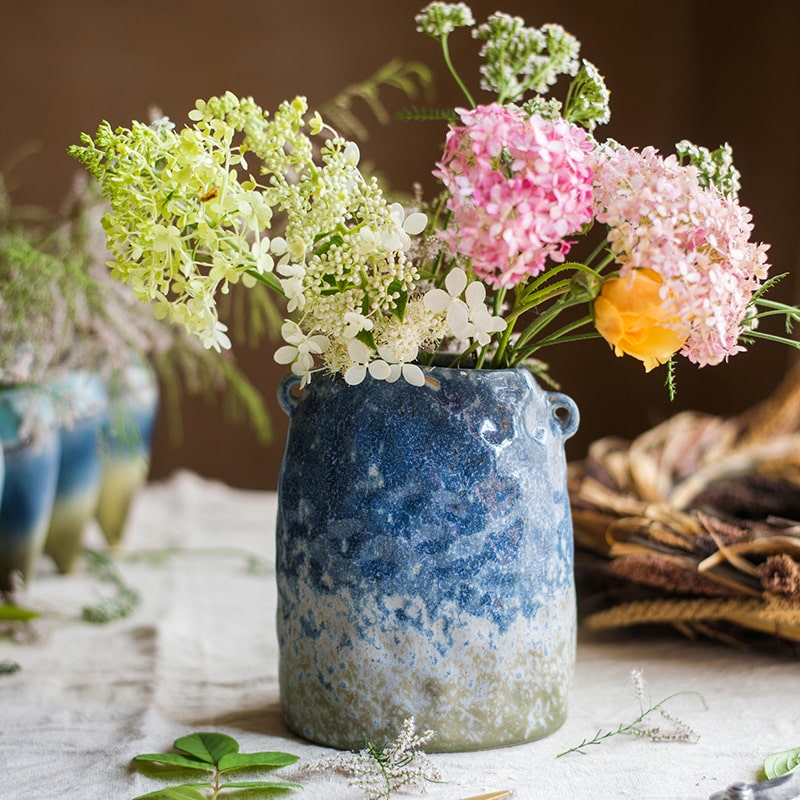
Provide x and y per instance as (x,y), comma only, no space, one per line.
(200,653)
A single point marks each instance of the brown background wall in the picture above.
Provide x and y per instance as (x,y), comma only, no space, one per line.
(708,71)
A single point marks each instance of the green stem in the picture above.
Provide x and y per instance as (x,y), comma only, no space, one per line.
(778,306)
(530,300)
(596,252)
(524,355)
(543,320)
(268,279)
(560,336)
(534,299)
(772,338)
(631,727)
(499,356)
(452,69)
(216,787)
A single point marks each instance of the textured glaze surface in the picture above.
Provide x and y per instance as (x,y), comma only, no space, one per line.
(425,560)
(31,446)
(82,403)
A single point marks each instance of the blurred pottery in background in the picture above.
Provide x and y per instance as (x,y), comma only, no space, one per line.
(125,445)
(82,405)
(31,451)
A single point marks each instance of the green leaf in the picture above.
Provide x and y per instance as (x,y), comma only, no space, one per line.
(269,279)
(335,239)
(267,785)
(186,791)
(367,338)
(9,613)
(399,288)
(208,747)
(782,763)
(175,760)
(234,761)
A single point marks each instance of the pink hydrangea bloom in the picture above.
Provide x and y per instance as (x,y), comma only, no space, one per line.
(519,186)
(698,241)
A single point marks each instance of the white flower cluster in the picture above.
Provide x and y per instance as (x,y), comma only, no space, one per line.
(441,19)
(185,224)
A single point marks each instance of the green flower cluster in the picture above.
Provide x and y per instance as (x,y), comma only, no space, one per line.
(716,167)
(187,218)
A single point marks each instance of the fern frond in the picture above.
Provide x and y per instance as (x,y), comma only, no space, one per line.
(426,114)
(412,78)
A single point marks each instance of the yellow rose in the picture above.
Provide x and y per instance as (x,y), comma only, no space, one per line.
(631,315)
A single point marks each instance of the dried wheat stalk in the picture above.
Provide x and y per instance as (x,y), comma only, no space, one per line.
(701,517)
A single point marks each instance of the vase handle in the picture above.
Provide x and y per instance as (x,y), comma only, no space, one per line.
(565,413)
(287,400)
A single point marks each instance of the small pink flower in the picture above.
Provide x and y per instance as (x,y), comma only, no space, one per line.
(519,186)
(698,241)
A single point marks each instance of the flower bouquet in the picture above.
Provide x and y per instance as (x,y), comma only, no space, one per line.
(481,272)
(425,556)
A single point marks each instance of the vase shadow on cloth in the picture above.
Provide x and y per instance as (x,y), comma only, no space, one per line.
(266,720)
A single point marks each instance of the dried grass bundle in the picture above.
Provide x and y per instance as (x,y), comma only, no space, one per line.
(696,524)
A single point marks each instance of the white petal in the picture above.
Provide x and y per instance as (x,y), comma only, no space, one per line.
(394,373)
(456,281)
(391,241)
(318,343)
(415,223)
(285,354)
(278,246)
(476,294)
(457,317)
(396,213)
(379,369)
(436,300)
(413,375)
(358,351)
(289,328)
(352,154)
(355,374)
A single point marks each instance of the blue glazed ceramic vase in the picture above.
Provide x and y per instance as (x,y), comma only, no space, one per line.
(31,450)
(82,405)
(425,559)
(126,438)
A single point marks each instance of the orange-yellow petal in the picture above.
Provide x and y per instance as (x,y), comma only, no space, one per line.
(631,315)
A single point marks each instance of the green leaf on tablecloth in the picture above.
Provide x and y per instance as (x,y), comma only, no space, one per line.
(233,761)
(208,747)
(777,764)
(262,786)
(216,753)
(186,791)
(12,613)
(175,760)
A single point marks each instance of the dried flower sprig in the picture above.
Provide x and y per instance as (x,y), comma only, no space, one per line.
(675,731)
(400,764)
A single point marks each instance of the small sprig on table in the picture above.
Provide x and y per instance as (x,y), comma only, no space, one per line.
(678,731)
(124,600)
(380,771)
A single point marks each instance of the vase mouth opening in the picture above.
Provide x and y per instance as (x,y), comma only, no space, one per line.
(452,361)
